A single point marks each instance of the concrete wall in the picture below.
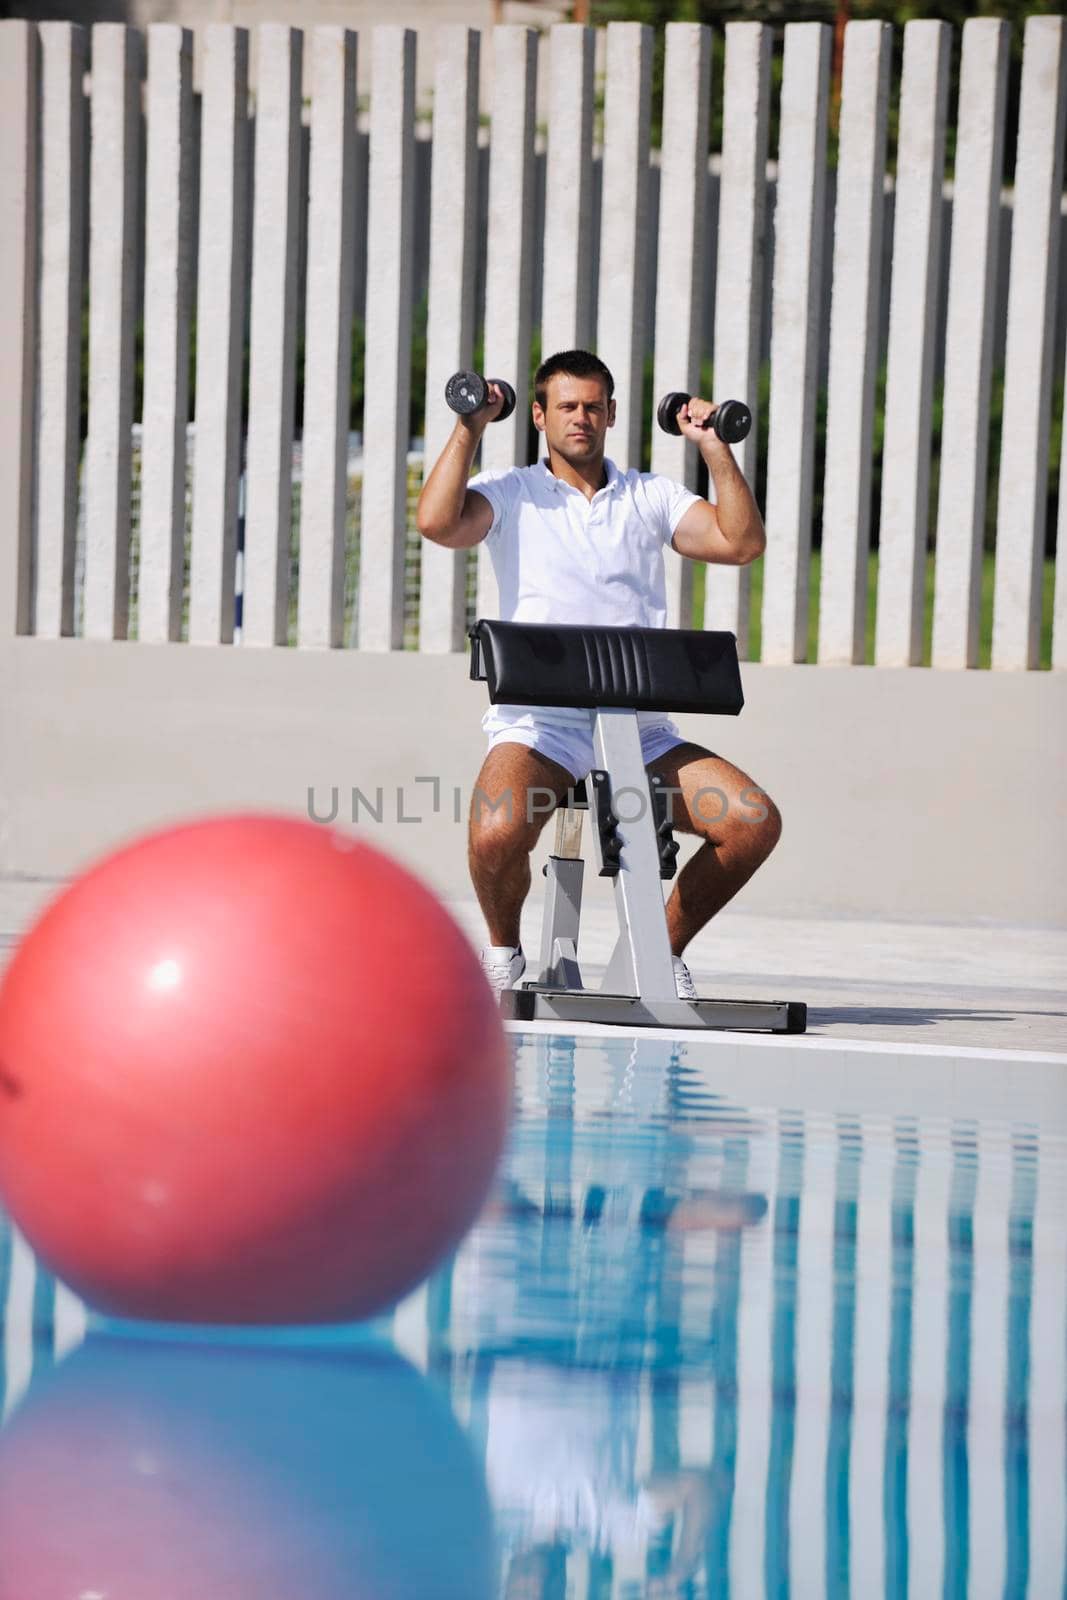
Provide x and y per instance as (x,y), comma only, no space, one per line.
(908,793)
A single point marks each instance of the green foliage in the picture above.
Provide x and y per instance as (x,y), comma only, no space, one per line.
(359,349)
(418,369)
(716,13)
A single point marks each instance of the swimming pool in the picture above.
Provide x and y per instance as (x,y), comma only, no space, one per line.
(739,1320)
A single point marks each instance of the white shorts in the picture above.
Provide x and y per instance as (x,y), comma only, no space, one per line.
(565,735)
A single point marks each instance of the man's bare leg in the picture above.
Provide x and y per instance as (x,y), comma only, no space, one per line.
(514,796)
(739,823)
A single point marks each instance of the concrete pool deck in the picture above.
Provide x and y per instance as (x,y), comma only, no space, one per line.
(977,986)
(995,988)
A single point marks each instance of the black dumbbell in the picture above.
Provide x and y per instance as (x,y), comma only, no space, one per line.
(468,391)
(731,419)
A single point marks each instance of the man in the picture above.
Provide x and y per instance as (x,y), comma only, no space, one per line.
(574,540)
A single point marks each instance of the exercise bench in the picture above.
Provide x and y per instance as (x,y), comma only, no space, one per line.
(617,672)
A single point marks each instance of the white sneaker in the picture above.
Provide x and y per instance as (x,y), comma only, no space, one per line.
(503,966)
(683,981)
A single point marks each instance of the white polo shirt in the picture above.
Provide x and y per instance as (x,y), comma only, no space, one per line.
(561,558)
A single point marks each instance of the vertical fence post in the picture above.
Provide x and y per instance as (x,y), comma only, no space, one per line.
(799,228)
(961,500)
(857,274)
(622,298)
(113,235)
(168,296)
(450,311)
(739,280)
(328,337)
(220,327)
(905,514)
(508,279)
(386,428)
(680,264)
(272,357)
(567,282)
(1035,250)
(59,311)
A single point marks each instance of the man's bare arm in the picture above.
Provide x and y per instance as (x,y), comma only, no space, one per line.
(731,532)
(449,513)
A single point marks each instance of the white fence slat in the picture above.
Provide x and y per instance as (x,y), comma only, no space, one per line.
(622,295)
(59,324)
(1035,250)
(113,233)
(19,133)
(567,281)
(742,227)
(328,337)
(969,342)
(272,369)
(450,310)
(681,266)
(508,277)
(846,517)
(168,304)
(905,515)
(799,228)
(390,252)
(221,299)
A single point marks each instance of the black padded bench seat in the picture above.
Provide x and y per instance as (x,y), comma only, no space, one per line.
(641,669)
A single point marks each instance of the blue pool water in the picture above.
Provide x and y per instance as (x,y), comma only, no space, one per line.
(694,1348)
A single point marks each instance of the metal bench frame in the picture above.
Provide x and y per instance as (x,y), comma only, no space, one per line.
(634,846)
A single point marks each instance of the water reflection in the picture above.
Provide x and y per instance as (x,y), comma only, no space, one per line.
(705,1350)
(696,1349)
(589,1324)
(146,1470)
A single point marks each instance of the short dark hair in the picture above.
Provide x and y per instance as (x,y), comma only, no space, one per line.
(576,364)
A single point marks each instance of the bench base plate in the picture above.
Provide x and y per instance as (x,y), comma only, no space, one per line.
(536,1002)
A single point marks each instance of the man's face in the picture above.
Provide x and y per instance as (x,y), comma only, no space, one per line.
(576,417)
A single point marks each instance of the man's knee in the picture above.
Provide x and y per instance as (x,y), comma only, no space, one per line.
(509,823)
(495,830)
(754,819)
(765,823)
